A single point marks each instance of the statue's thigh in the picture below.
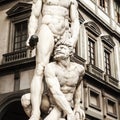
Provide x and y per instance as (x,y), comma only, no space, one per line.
(45,45)
(55,114)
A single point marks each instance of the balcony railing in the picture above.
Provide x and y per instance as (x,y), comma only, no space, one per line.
(15,56)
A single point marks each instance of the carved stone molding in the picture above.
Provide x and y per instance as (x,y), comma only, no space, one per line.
(20,7)
(95,70)
(107,39)
(92,27)
(111,80)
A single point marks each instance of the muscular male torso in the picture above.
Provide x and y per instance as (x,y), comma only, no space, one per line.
(56,15)
(68,79)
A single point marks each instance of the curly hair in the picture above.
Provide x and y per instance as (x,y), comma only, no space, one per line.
(71,49)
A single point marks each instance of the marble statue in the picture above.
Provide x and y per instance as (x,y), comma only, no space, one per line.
(52,21)
(63,79)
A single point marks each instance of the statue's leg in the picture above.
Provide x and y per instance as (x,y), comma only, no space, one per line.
(25,101)
(55,114)
(44,49)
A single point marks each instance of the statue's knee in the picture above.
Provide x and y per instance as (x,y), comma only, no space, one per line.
(39,69)
(25,101)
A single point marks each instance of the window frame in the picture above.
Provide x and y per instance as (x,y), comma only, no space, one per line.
(106,50)
(92,39)
(98,96)
(115,110)
(21,11)
(108,45)
(12,31)
(117,11)
(102,3)
(94,32)
(14,36)
(105,6)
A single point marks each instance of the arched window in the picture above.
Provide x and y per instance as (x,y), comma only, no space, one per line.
(93,33)
(108,45)
(18,15)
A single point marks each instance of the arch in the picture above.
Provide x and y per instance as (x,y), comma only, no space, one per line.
(11,108)
(93,28)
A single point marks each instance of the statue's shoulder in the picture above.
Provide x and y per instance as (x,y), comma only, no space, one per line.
(50,69)
(79,67)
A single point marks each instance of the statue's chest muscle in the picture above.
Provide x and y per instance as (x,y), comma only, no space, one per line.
(67,77)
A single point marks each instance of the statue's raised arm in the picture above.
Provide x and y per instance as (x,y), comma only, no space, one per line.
(75,25)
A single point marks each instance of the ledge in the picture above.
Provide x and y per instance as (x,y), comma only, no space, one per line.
(111,80)
(102,84)
(95,70)
(11,67)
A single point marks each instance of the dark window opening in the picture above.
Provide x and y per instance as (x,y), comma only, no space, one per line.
(102,3)
(117,11)
(107,62)
(94,99)
(91,51)
(20,36)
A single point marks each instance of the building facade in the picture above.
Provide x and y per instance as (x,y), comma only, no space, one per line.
(98,50)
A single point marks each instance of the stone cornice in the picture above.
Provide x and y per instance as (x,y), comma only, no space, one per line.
(20,7)
(11,67)
(92,79)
